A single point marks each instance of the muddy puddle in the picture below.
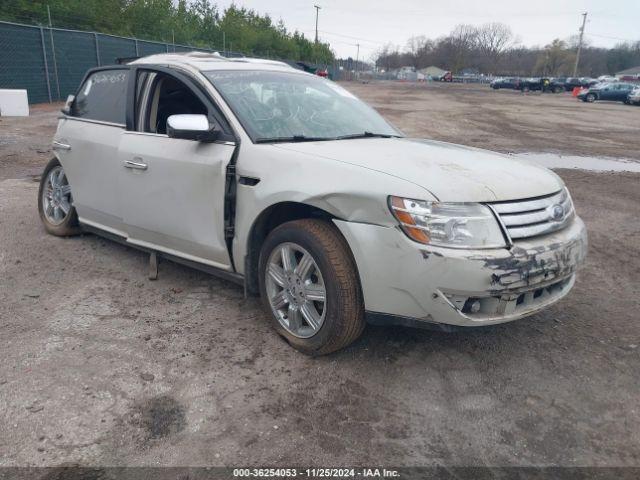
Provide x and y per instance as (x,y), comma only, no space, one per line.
(594,164)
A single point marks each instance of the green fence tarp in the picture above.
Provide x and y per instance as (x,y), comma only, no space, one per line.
(26,55)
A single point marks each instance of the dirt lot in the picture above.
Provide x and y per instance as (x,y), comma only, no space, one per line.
(102,367)
(507,120)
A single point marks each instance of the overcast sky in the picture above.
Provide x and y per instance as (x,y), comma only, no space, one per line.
(372,23)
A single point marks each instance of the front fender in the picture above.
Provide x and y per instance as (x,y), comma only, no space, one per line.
(346,191)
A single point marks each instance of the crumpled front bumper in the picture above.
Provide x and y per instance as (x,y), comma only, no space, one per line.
(406,283)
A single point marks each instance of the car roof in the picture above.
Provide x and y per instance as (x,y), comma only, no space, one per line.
(205,62)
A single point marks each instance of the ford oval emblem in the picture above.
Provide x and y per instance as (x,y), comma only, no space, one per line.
(557,212)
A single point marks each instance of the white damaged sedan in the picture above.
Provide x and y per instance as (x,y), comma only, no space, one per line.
(289,185)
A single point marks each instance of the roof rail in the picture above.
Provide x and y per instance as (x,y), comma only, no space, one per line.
(125,60)
(198,53)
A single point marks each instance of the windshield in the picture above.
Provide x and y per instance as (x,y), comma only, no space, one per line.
(280,106)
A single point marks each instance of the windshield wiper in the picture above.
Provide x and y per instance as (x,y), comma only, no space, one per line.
(367,135)
(293,138)
(304,138)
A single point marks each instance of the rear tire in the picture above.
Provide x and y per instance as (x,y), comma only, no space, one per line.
(338,320)
(55,203)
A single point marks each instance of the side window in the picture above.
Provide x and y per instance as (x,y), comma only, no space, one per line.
(160,96)
(103,97)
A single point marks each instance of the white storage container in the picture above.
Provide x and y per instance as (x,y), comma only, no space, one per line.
(14,103)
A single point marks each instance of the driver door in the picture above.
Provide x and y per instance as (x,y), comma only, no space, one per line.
(172,190)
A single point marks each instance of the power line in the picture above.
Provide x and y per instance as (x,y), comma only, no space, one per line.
(613,38)
(352,37)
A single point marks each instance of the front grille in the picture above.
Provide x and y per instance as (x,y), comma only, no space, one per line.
(538,216)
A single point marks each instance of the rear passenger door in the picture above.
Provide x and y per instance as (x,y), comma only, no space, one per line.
(605,93)
(173,190)
(86,143)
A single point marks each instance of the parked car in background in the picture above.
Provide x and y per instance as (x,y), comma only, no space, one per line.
(556,84)
(281,181)
(536,84)
(571,83)
(530,84)
(607,79)
(634,96)
(616,92)
(512,83)
(582,82)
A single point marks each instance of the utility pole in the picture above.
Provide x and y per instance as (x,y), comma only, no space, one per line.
(357,58)
(317,7)
(224,45)
(584,21)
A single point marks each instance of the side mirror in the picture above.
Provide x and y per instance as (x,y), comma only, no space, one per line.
(67,105)
(191,127)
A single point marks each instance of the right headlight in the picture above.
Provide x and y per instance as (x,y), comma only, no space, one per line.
(453,225)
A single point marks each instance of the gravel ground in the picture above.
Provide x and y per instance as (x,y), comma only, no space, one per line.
(103,367)
(507,120)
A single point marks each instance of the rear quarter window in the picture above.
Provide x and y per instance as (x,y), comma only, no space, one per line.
(103,97)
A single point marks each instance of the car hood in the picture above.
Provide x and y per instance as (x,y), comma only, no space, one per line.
(450,172)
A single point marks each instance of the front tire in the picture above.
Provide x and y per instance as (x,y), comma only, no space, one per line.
(55,202)
(310,288)
(590,98)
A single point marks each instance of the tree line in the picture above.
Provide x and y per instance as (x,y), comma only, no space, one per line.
(493,48)
(198,23)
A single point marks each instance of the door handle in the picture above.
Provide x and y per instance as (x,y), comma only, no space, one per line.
(135,165)
(60,146)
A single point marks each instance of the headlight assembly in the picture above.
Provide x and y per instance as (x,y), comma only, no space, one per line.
(453,225)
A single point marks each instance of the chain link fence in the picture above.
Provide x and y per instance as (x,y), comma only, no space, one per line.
(50,62)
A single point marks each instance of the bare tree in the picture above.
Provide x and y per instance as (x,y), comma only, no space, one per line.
(389,57)
(492,48)
(415,46)
(461,42)
(492,41)
(555,59)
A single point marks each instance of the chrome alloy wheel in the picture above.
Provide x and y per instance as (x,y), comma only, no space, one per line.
(56,197)
(296,290)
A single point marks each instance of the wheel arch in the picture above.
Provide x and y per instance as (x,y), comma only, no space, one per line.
(270,218)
